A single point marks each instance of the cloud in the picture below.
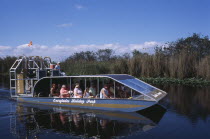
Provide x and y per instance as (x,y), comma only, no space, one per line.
(78,6)
(65,25)
(145,45)
(5,50)
(60,52)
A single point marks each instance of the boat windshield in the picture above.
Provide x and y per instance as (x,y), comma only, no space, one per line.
(139,86)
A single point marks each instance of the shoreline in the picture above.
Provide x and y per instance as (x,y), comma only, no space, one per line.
(188,81)
(164,80)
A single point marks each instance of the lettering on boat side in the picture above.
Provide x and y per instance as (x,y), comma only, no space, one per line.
(61,100)
(74,101)
(91,101)
(77,101)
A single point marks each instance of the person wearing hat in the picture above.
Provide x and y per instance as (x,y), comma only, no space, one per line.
(77,91)
(57,67)
(64,92)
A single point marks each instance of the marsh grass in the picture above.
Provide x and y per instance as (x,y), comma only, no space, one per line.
(184,61)
(189,81)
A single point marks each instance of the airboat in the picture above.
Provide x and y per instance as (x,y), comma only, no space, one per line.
(31,79)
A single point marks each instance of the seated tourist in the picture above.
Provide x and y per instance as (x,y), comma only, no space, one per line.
(120,91)
(64,92)
(126,92)
(104,92)
(111,91)
(77,91)
(86,93)
(53,91)
(92,90)
(58,89)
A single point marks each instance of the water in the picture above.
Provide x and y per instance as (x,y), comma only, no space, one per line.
(184,113)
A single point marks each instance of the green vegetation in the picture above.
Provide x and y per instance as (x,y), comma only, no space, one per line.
(188,81)
(185,58)
(185,61)
(5,64)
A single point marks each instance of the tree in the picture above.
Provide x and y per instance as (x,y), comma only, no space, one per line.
(105,54)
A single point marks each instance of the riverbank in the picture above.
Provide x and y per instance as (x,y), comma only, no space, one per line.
(160,80)
(188,81)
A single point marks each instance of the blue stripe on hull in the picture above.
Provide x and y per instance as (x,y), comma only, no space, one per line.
(125,105)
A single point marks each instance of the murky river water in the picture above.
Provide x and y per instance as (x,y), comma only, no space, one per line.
(184,113)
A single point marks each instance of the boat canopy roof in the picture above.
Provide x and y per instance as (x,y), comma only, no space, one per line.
(138,85)
(131,82)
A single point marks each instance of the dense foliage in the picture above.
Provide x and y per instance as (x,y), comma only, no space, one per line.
(6,63)
(185,58)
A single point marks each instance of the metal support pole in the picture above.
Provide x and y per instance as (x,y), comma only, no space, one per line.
(37,74)
(10,84)
(131,92)
(67,81)
(32,86)
(26,87)
(70,84)
(33,63)
(40,59)
(85,84)
(51,70)
(50,95)
(98,85)
(50,82)
(15,82)
(114,89)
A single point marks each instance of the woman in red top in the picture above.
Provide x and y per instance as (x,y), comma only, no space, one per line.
(64,92)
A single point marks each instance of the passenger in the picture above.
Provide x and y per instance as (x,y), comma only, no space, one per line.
(57,67)
(58,89)
(104,92)
(53,91)
(111,91)
(77,91)
(92,90)
(119,90)
(64,92)
(86,93)
(127,94)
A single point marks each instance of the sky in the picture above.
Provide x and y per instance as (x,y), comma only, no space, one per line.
(59,28)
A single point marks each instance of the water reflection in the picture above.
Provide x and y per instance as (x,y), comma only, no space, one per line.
(4,81)
(29,121)
(192,102)
(183,104)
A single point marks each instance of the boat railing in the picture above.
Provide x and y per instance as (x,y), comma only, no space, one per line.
(26,71)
